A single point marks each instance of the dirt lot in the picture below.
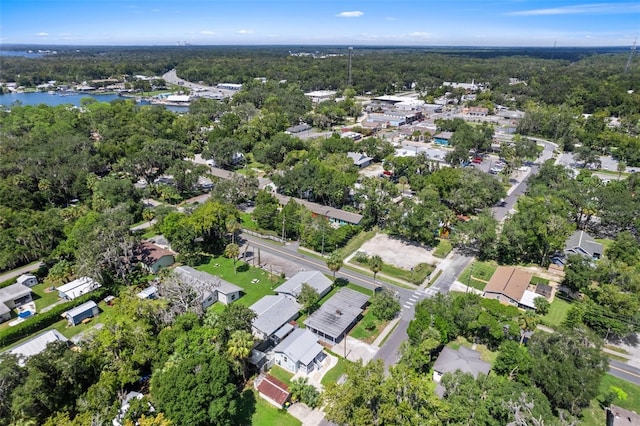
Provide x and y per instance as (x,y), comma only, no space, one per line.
(397,252)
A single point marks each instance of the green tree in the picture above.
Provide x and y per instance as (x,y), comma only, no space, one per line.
(334,263)
(233,317)
(308,298)
(304,392)
(576,357)
(232,251)
(385,305)
(375,264)
(527,322)
(196,390)
(239,348)
(542,305)
(266,210)
(12,375)
(514,362)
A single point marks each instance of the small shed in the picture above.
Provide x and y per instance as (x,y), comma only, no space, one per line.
(148,293)
(272,390)
(77,288)
(28,280)
(76,315)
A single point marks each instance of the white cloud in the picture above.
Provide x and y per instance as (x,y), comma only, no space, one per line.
(42,34)
(581,9)
(244,32)
(419,34)
(391,18)
(205,32)
(350,14)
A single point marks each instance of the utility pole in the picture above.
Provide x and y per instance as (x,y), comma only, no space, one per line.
(283,220)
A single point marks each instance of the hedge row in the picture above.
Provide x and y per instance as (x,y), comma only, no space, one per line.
(40,321)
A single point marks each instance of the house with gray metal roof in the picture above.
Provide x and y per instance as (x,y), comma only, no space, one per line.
(77,288)
(273,312)
(15,295)
(78,314)
(464,359)
(210,288)
(333,320)
(316,279)
(300,351)
(337,216)
(36,345)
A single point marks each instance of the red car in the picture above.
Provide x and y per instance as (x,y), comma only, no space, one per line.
(477,160)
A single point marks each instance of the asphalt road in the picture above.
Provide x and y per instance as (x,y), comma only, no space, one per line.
(22,270)
(624,371)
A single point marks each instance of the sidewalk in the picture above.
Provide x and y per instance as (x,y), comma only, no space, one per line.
(392,280)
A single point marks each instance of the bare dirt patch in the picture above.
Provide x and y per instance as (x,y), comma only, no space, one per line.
(402,254)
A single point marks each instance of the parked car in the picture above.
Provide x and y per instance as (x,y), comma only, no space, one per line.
(477,160)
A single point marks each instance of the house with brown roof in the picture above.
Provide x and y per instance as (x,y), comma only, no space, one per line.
(154,257)
(509,286)
(272,390)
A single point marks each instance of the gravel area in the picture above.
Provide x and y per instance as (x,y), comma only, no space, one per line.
(399,253)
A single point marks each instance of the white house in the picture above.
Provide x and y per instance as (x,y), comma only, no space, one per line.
(36,345)
(27,279)
(77,288)
(316,279)
(300,351)
(273,312)
(210,287)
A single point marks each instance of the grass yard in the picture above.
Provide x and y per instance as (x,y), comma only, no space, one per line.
(360,331)
(557,312)
(443,249)
(356,242)
(538,280)
(416,276)
(42,298)
(334,374)
(244,277)
(253,410)
(281,374)
(481,272)
(594,415)
(248,222)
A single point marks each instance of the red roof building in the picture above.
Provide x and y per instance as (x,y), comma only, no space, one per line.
(273,390)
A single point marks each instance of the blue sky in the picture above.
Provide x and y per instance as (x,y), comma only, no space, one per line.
(299,22)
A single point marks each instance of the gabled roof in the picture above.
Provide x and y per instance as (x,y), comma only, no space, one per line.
(463,359)
(444,135)
(582,243)
(80,309)
(358,158)
(13,292)
(319,209)
(315,279)
(25,277)
(274,389)
(272,312)
(149,253)
(512,282)
(38,344)
(300,346)
(205,281)
(337,313)
(78,287)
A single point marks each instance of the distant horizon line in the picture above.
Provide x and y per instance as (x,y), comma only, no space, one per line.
(319,45)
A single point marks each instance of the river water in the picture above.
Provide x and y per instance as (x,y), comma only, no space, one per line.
(37,98)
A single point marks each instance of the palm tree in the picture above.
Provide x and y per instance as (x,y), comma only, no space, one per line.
(527,322)
(403,181)
(334,263)
(375,264)
(232,251)
(239,347)
(233,226)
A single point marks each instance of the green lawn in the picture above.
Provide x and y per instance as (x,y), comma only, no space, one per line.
(557,312)
(281,374)
(539,280)
(356,242)
(481,270)
(368,336)
(248,222)
(415,276)
(594,415)
(334,374)
(253,410)
(42,298)
(443,249)
(223,268)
